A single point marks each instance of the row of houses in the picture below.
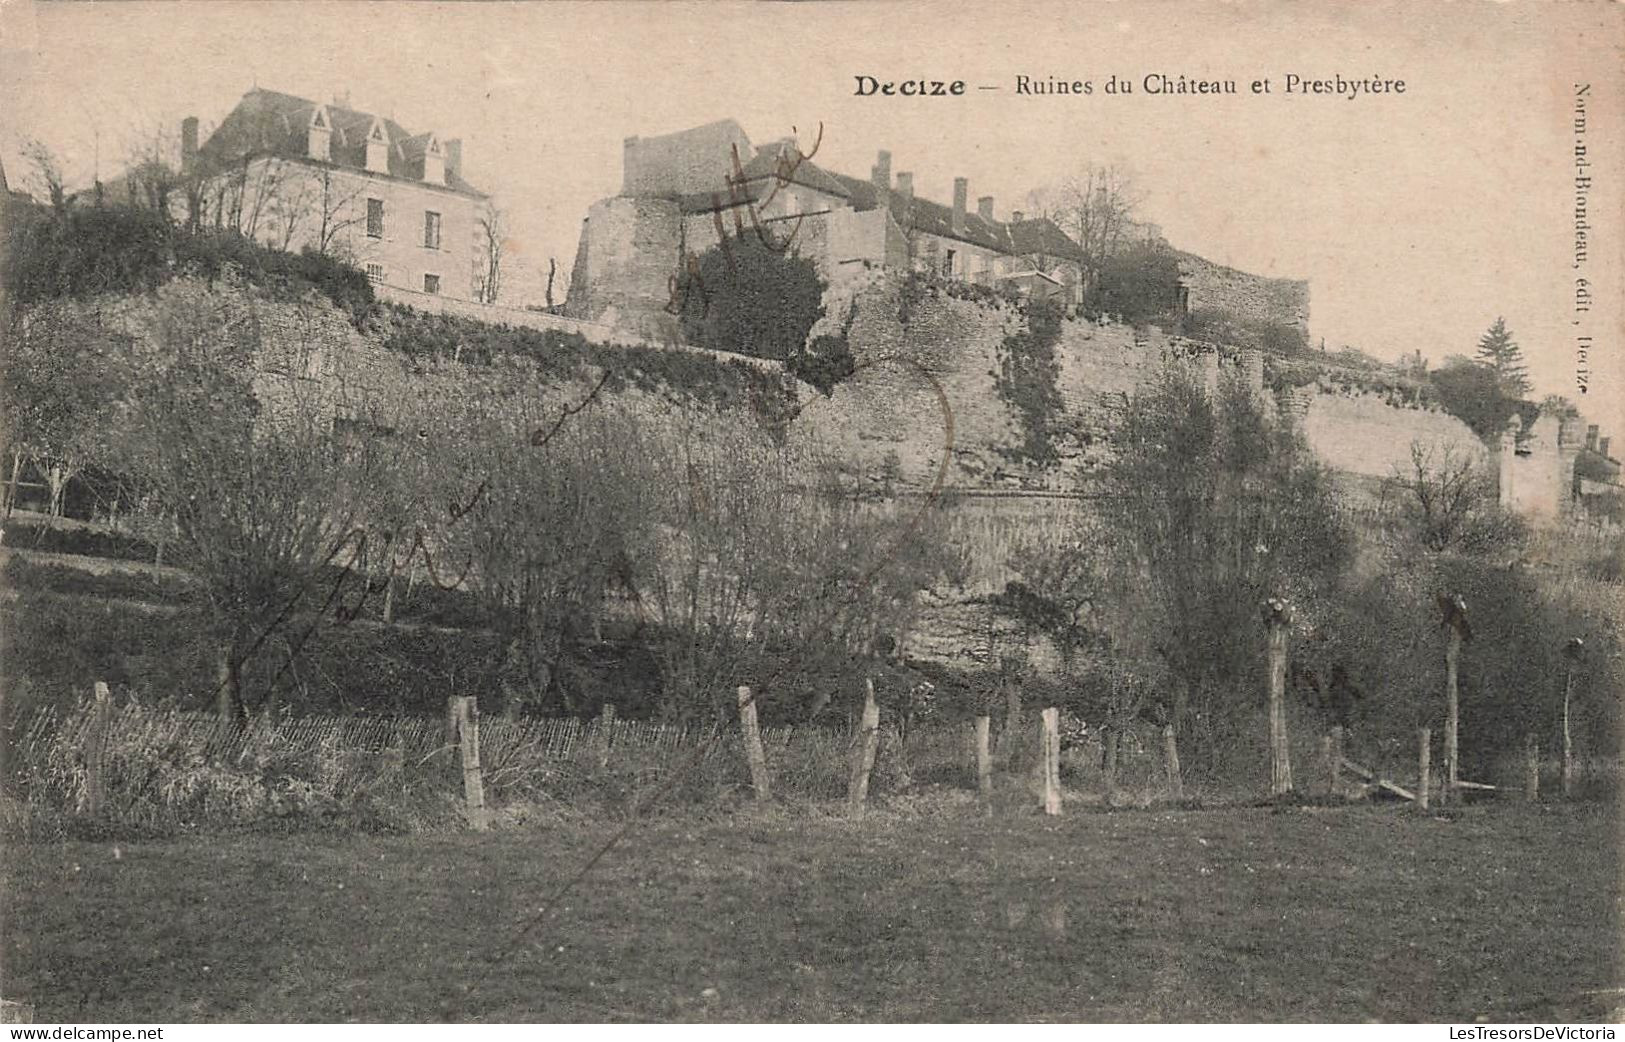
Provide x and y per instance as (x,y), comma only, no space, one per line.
(680,192)
(295,173)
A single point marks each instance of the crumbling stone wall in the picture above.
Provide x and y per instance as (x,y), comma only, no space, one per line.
(630,249)
(1365,435)
(688,161)
(1243,295)
(890,415)
(1536,472)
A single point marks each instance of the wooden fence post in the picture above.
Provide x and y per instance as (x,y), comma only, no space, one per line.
(1109,764)
(606,733)
(96,750)
(1568,737)
(1452,705)
(1170,760)
(1278,617)
(1334,769)
(754,753)
(984,761)
(452,713)
(863,752)
(1424,767)
(1531,768)
(1051,725)
(468,741)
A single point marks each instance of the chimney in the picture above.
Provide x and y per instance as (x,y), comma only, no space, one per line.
(1591,437)
(880,175)
(188,142)
(1602,447)
(454,155)
(961,196)
(905,186)
(631,176)
(1015,216)
(984,208)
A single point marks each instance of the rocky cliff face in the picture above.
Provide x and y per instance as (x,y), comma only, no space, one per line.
(923,408)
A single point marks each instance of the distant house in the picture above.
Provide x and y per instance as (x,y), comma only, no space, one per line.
(295,174)
(1545,471)
(679,191)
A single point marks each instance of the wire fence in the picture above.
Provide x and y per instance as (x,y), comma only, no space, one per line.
(155,766)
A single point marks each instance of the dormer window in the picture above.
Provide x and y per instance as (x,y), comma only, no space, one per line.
(320,145)
(434,162)
(377,149)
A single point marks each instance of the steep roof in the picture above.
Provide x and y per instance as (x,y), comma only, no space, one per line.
(1034,235)
(1042,235)
(766,165)
(1020,238)
(268,122)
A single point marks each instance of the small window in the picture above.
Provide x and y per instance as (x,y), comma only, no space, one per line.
(375,218)
(948,263)
(431,283)
(431,230)
(375,273)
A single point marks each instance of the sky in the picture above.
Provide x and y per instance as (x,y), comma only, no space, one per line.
(1418,218)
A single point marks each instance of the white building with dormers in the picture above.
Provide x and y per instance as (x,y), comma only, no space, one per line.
(298,174)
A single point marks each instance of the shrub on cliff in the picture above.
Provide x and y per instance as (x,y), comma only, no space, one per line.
(679,375)
(1028,370)
(1221,326)
(1473,393)
(1139,285)
(824,363)
(745,296)
(83,251)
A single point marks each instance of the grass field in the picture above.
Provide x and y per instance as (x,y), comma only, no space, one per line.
(1352,914)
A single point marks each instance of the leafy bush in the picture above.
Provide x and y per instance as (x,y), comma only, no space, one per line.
(750,298)
(1473,393)
(1140,285)
(88,250)
(824,363)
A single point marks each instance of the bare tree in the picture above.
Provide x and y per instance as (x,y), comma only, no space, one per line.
(493,234)
(154,177)
(264,511)
(59,381)
(1097,207)
(290,207)
(264,185)
(45,177)
(336,211)
(1448,502)
(246,191)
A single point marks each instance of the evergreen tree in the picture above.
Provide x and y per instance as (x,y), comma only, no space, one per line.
(1501,353)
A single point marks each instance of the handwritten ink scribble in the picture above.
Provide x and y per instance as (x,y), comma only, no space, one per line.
(357,540)
(541,437)
(687,280)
